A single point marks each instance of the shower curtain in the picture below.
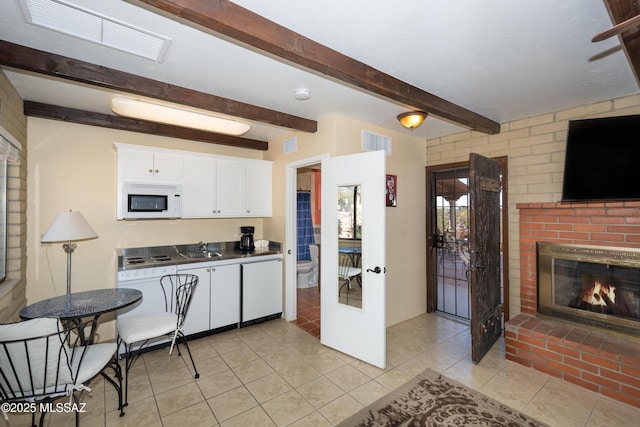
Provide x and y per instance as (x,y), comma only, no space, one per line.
(305,225)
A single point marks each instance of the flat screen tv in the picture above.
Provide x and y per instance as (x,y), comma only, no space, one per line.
(602,160)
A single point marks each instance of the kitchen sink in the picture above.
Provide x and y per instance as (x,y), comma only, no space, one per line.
(203,255)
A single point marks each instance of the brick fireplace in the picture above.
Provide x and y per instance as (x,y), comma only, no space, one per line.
(595,359)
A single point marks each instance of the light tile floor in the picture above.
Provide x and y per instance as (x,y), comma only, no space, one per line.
(275,374)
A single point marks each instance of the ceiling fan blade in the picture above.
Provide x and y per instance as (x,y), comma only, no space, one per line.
(617,29)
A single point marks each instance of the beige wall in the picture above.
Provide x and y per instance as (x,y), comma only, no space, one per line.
(74,167)
(535,148)
(13,126)
(406,251)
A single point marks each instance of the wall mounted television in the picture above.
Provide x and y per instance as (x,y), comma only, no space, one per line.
(602,160)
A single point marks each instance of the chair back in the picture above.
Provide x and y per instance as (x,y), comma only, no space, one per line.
(35,360)
(178,291)
(345,266)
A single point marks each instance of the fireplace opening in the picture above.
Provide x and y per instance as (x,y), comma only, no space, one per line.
(597,286)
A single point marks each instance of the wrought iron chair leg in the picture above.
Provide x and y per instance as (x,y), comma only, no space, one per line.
(117,385)
(186,344)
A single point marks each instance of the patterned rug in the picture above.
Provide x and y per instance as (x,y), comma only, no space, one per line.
(433,400)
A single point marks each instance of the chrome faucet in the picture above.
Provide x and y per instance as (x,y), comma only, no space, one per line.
(202,247)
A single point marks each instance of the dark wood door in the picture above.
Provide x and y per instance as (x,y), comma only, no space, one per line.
(486,307)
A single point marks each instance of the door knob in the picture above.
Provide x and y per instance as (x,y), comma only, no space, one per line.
(376,270)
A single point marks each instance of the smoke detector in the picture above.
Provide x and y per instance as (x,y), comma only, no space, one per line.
(302,94)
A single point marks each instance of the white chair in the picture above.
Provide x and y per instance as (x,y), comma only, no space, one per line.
(178,291)
(347,271)
(40,362)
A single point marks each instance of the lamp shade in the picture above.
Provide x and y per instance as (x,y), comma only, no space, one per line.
(412,119)
(69,226)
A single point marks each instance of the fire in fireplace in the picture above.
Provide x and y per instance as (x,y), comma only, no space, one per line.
(593,285)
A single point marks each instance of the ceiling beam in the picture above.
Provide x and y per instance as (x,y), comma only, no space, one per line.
(621,11)
(72,115)
(25,58)
(240,24)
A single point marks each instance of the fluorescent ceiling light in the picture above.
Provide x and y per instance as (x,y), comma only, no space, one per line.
(153,112)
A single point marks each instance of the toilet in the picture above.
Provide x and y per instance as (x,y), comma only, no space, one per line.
(307,271)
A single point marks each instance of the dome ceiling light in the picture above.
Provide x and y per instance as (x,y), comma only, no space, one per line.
(412,119)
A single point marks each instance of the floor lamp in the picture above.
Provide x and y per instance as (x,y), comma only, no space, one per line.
(68,227)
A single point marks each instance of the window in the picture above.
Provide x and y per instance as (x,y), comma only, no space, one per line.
(3,218)
(7,153)
(349,212)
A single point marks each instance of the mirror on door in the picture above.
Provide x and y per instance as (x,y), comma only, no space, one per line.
(350,279)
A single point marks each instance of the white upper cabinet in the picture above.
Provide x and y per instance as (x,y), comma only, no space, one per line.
(135,164)
(199,187)
(230,188)
(259,189)
(212,186)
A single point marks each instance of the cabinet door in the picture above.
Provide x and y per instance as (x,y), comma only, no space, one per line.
(198,188)
(197,319)
(259,188)
(135,164)
(261,289)
(225,296)
(147,164)
(167,167)
(230,188)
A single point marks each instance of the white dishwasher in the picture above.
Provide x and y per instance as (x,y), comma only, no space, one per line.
(261,291)
(147,281)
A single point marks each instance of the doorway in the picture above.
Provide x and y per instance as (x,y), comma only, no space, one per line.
(448,228)
(308,229)
(308,303)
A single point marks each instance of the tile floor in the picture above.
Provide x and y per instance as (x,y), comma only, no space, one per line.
(275,374)
(308,317)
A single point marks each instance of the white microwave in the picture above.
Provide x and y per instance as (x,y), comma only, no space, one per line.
(148,200)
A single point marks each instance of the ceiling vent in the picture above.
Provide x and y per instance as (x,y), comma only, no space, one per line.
(87,25)
(372,142)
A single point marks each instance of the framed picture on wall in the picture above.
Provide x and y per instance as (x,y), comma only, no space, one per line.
(391,190)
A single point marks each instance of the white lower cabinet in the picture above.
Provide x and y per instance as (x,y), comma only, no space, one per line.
(261,289)
(216,302)
(197,319)
(231,294)
(225,296)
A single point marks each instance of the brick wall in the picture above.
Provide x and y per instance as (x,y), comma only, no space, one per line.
(602,362)
(599,224)
(14,126)
(535,148)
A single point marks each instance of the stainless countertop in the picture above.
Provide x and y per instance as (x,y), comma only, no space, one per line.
(154,256)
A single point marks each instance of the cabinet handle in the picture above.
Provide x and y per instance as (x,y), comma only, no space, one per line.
(156,171)
(150,170)
(248,211)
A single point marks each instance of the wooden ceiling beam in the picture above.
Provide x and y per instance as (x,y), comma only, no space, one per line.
(621,11)
(233,21)
(37,61)
(72,115)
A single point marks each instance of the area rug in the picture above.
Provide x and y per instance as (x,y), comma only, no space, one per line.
(431,399)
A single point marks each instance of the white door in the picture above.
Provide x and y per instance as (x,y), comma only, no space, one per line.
(354,319)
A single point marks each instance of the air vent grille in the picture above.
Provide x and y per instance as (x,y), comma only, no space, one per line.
(373,142)
(290,145)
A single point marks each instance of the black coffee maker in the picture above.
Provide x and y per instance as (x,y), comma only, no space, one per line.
(246,240)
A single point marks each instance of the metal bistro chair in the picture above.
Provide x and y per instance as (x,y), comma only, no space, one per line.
(41,361)
(346,271)
(178,291)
